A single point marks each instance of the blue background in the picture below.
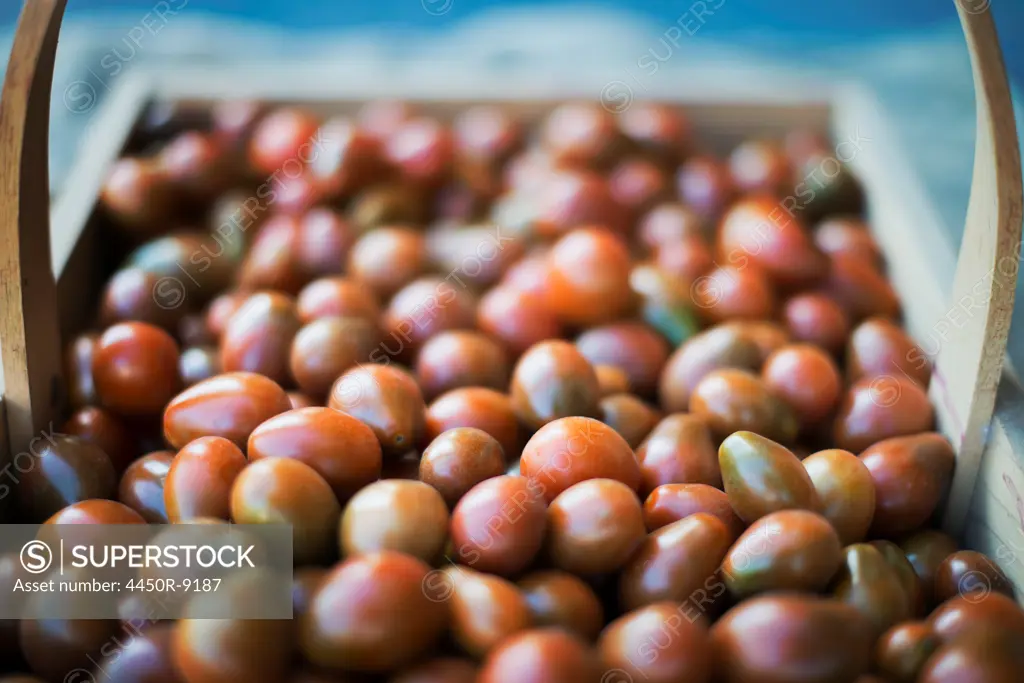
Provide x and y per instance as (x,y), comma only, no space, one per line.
(845,19)
(784,26)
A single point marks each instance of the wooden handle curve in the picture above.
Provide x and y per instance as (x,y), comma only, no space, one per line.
(976,331)
(29,321)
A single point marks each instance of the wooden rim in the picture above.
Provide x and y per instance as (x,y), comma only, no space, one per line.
(29,324)
(967,369)
(970,362)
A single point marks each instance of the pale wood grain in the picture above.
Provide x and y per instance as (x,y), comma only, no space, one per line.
(102,143)
(999,494)
(981,536)
(79,242)
(722,113)
(28,313)
(902,217)
(970,361)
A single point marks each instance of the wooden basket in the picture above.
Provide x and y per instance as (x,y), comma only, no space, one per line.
(50,280)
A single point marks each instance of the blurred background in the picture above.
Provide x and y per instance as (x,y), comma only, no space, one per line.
(800,20)
(910,53)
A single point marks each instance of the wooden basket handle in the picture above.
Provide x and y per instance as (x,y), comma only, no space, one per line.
(970,360)
(967,369)
(29,319)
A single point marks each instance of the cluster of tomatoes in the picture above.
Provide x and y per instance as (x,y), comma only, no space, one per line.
(548,398)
